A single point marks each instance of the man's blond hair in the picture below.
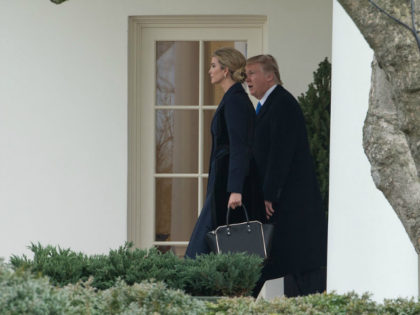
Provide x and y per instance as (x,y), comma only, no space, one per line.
(269,64)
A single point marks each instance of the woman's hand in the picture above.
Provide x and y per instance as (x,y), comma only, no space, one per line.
(235,200)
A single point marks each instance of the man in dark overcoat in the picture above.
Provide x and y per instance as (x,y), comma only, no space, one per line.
(288,181)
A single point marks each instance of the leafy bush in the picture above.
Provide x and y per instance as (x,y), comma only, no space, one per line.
(316,304)
(22,292)
(222,275)
(63,266)
(150,298)
(226,274)
(316,107)
(134,266)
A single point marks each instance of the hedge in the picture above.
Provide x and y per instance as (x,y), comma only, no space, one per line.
(22,292)
(316,108)
(226,274)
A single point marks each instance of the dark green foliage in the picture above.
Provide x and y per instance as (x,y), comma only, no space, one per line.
(63,266)
(401,306)
(316,107)
(24,293)
(135,265)
(227,274)
(222,275)
(149,298)
(316,304)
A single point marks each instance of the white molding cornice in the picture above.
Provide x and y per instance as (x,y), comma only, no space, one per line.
(199,20)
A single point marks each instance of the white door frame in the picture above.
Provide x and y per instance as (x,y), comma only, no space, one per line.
(138,27)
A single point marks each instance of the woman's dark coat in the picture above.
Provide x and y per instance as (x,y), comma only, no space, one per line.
(232,168)
(287,174)
(231,163)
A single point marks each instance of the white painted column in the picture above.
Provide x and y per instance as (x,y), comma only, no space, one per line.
(368,248)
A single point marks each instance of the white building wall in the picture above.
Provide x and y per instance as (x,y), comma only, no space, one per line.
(368,250)
(63,107)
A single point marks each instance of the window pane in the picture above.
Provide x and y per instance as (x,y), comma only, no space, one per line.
(207,118)
(176,208)
(214,93)
(177,72)
(176,141)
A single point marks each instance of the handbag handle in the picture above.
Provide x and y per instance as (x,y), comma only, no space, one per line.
(246,217)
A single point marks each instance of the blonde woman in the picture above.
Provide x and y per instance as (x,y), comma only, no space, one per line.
(232,175)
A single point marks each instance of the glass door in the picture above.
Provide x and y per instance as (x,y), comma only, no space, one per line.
(169,137)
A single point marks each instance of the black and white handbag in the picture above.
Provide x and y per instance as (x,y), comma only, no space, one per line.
(251,237)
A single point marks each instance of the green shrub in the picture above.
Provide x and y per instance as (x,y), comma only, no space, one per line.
(222,275)
(226,274)
(63,266)
(316,107)
(134,266)
(22,292)
(150,298)
(316,304)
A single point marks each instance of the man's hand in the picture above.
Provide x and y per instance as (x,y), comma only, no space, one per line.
(235,200)
(269,211)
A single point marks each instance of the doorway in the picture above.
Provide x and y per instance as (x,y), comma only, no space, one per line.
(171,105)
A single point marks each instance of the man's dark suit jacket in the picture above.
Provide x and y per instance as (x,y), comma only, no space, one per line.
(287,174)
